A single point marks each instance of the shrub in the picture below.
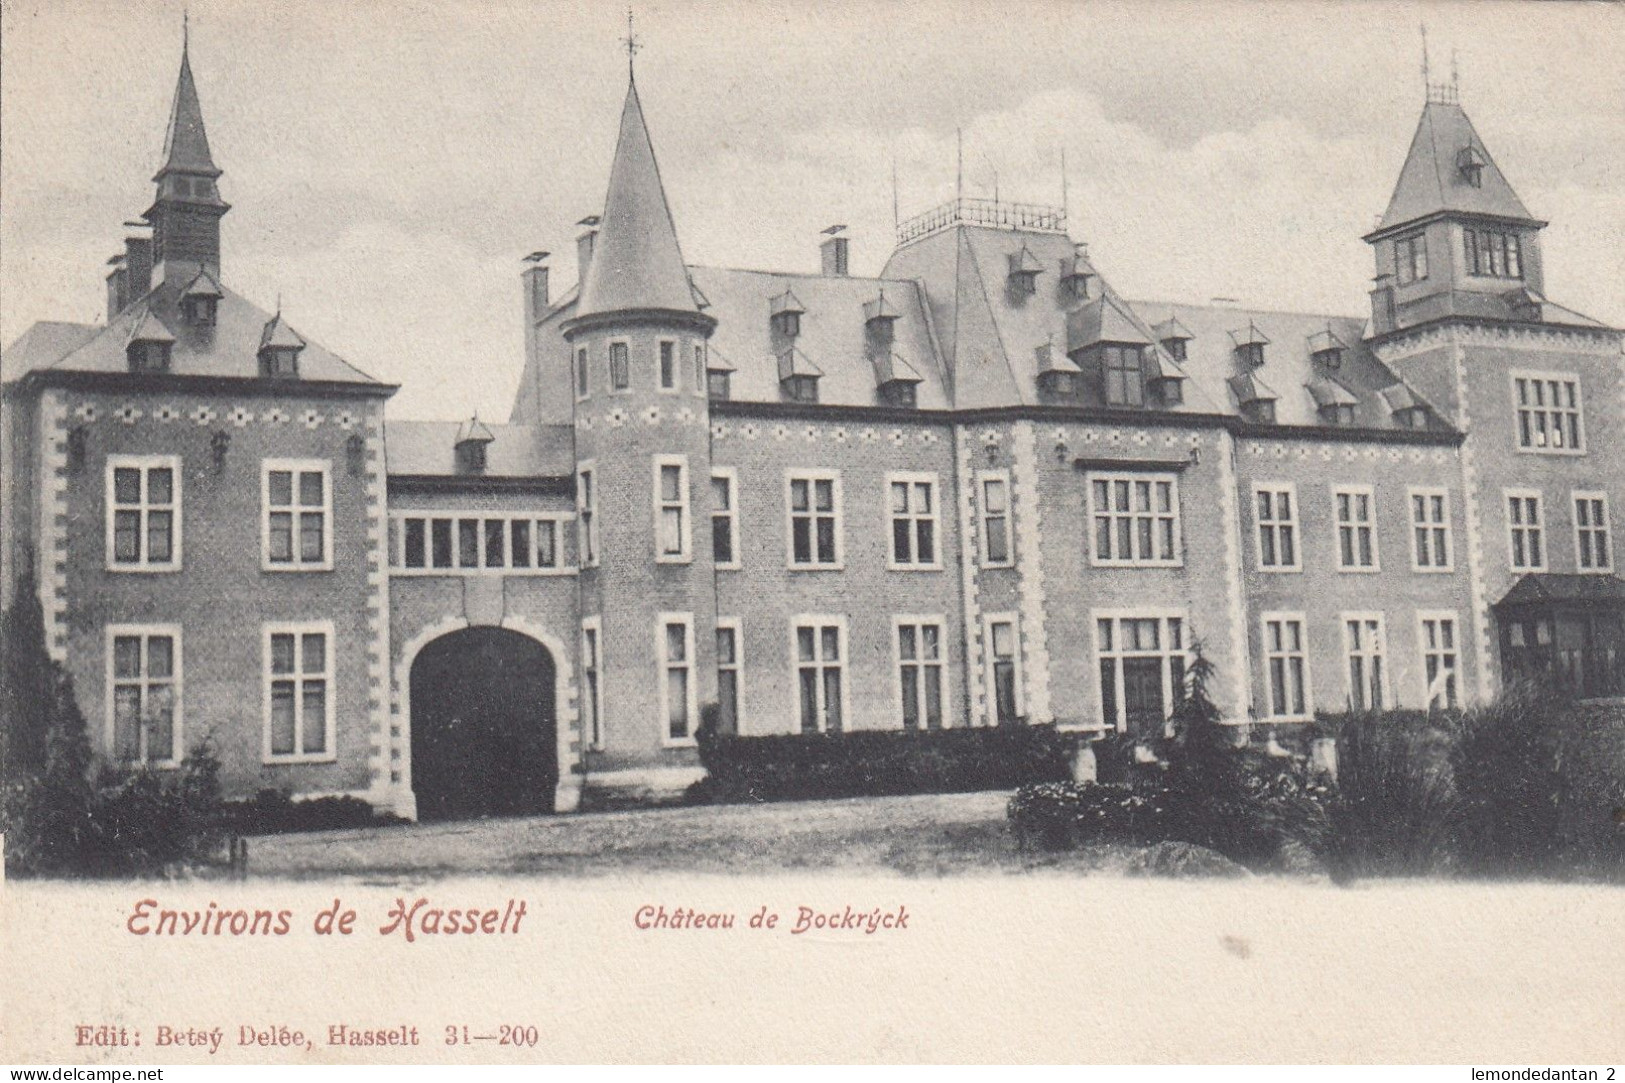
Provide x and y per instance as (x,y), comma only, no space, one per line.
(1510,787)
(1065,815)
(1393,809)
(274,812)
(878,762)
(1591,822)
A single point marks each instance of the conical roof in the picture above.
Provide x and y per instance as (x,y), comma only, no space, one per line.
(636,262)
(186,145)
(1432,180)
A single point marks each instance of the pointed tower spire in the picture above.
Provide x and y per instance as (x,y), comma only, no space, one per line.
(185,214)
(636,262)
(186,145)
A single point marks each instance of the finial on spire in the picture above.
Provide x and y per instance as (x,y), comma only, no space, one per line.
(186,29)
(632,45)
(1427,78)
(1455,74)
(894,216)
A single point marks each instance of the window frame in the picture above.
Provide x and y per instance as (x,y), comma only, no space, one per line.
(1548,411)
(1354,526)
(592,691)
(299,629)
(1603,531)
(587,533)
(1172,690)
(1153,479)
(146,632)
(582,377)
(557,521)
(144,464)
(689,665)
(1423,618)
(296,467)
(983,479)
(1275,525)
(666,350)
(1123,365)
(912,478)
(683,506)
(919,621)
(734,625)
(837,513)
(990,666)
(730,475)
(1406,251)
(1446,527)
(818,622)
(702,371)
(1377,651)
(1306,678)
(1537,529)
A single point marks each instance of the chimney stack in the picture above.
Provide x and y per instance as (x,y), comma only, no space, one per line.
(138,266)
(834,251)
(117,289)
(535,278)
(584,244)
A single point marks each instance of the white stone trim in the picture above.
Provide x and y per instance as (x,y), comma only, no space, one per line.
(1034,600)
(52,557)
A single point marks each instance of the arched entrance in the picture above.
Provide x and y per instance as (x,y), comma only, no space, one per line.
(484,739)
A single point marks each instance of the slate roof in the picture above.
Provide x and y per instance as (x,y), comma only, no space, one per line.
(230,347)
(1431,181)
(428,448)
(1572,587)
(636,262)
(186,145)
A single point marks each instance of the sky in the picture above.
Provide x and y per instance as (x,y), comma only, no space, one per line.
(391,162)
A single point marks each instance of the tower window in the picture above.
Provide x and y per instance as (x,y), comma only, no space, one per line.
(620,374)
(1411,258)
(1493,253)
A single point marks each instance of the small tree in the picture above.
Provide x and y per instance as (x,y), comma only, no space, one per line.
(27,680)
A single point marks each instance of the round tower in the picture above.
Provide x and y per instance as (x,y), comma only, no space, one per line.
(637,342)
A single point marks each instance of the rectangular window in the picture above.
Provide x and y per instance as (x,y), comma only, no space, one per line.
(1277,514)
(997,548)
(1431,548)
(143,702)
(819,649)
(1142,657)
(1411,258)
(581,373)
(674,646)
(473,543)
(587,516)
(729,649)
(1136,518)
(671,509)
(912,507)
(1003,646)
(815,519)
(1355,506)
(1440,660)
(620,367)
(725,518)
(297,524)
(1286,667)
(1593,548)
(920,672)
(592,666)
(1365,649)
(1526,530)
(1548,405)
(668,366)
(1493,253)
(700,381)
(143,513)
(298,692)
(1125,379)
(717,386)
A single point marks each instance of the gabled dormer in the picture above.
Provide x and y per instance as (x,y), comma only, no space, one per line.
(798,376)
(148,347)
(896,379)
(1249,343)
(473,438)
(1334,403)
(1058,374)
(1254,398)
(1406,407)
(1022,278)
(279,350)
(1174,337)
(200,300)
(1326,350)
(784,315)
(1077,276)
(719,373)
(880,318)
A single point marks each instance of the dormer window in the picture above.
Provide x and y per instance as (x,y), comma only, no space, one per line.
(798,376)
(1250,343)
(1176,349)
(1326,349)
(1170,390)
(1333,402)
(1331,358)
(199,311)
(1075,276)
(896,379)
(880,319)
(279,350)
(1337,414)
(1057,373)
(1414,417)
(1411,258)
(148,356)
(1254,398)
(1470,164)
(1259,412)
(1124,375)
(1173,336)
(1251,354)
(900,393)
(718,376)
(801,388)
(1408,411)
(473,437)
(785,312)
(1022,280)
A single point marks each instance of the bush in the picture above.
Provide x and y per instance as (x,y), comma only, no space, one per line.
(1393,810)
(1507,764)
(1066,815)
(275,812)
(878,762)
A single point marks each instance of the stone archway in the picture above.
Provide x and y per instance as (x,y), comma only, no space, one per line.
(484,725)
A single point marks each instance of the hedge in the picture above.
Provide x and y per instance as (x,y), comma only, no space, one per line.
(880,762)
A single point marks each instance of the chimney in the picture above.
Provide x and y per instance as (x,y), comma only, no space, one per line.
(138,264)
(535,279)
(584,244)
(834,251)
(117,289)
